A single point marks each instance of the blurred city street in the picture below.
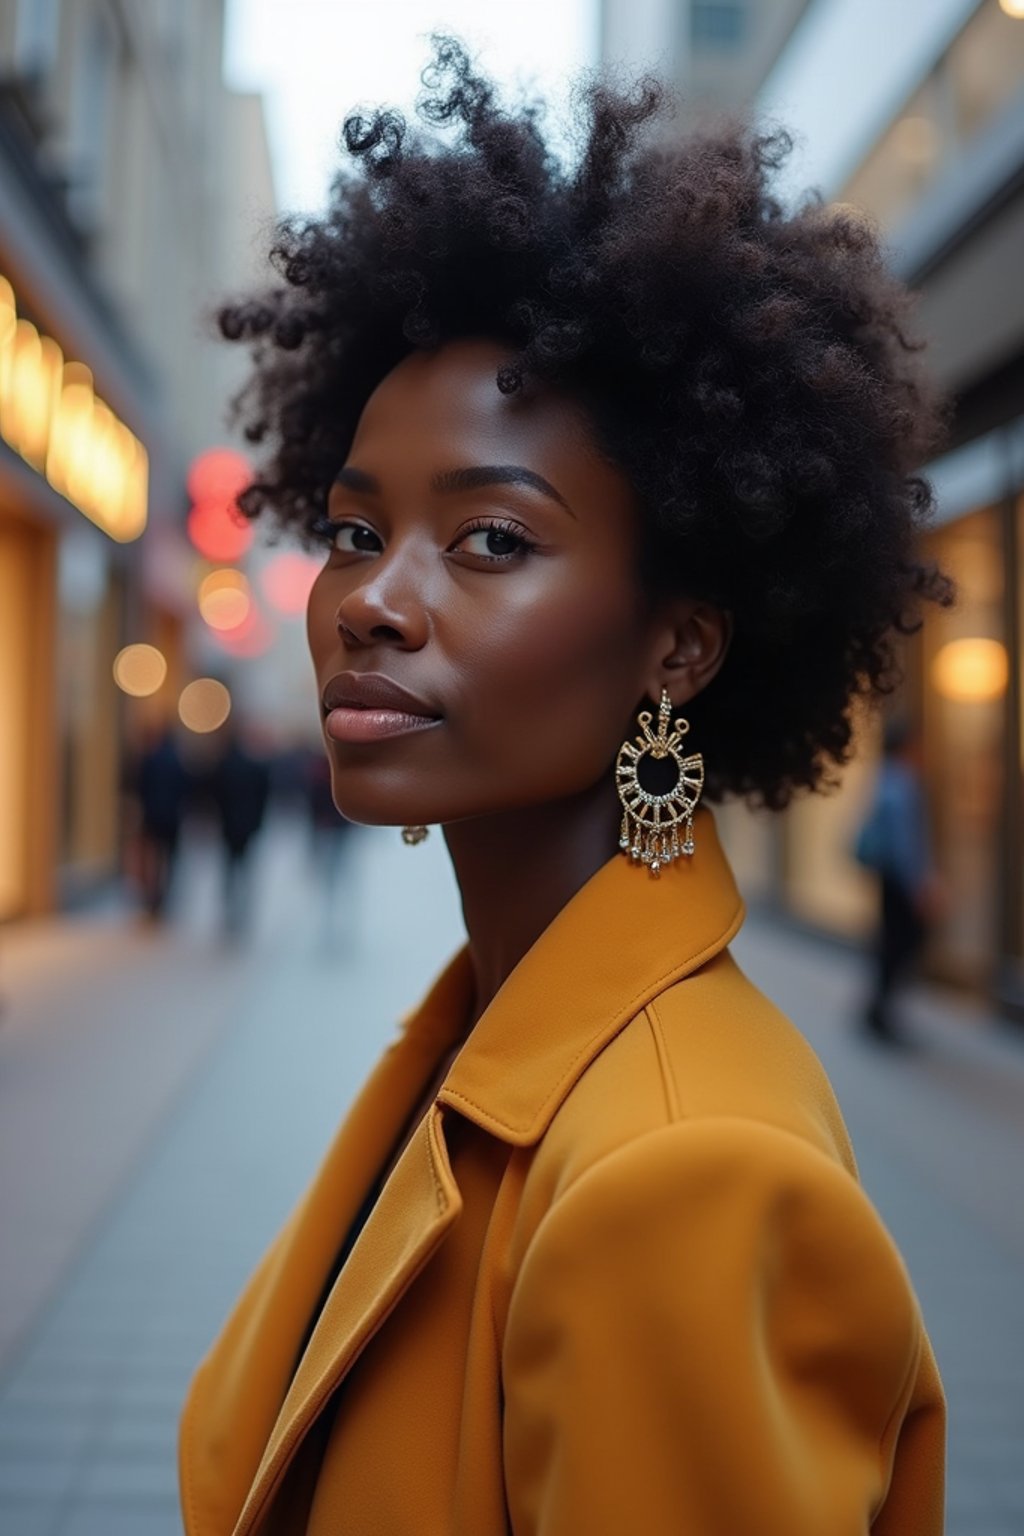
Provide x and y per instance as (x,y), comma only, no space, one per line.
(173,1066)
(152,1140)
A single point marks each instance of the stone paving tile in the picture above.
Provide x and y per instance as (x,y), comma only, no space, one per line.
(37,1476)
(105,1518)
(30,1517)
(151,1477)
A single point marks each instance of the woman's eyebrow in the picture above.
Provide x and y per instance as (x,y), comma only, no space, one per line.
(476,475)
(469,478)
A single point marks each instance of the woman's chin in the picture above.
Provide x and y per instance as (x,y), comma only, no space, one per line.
(366,812)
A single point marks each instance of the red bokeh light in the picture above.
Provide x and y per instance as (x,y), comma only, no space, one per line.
(287,580)
(218,532)
(218,475)
(216,527)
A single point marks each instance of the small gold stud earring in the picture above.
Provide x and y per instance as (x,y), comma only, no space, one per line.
(413,835)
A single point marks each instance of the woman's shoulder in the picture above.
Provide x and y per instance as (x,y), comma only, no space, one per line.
(709,1048)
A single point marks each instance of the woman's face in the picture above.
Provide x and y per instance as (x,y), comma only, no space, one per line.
(483,561)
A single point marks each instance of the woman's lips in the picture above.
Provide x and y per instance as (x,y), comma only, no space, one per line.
(350,724)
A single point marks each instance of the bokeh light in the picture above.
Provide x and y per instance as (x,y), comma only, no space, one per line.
(217,531)
(204,705)
(220,474)
(1014,8)
(224,599)
(971,671)
(287,579)
(139,670)
(252,637)
(216,527)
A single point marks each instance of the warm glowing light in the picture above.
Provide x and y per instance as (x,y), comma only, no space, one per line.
(287,580)
(971,671)
(251,638)
(224,599)
(217,531)
(204,705)
(51,416)
(139,670)
(1014,8)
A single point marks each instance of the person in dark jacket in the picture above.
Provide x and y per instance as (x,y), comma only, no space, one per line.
(162,787)
(239,785)
(894,842)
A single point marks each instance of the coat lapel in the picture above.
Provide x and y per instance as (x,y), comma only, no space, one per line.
(416,1208)
(622,939)
(235,1402)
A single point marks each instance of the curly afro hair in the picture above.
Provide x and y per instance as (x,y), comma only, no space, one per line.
(748,368)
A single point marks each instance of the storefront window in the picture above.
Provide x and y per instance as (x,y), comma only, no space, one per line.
(965,673)
(1018,789)
(26,710)
(88,640)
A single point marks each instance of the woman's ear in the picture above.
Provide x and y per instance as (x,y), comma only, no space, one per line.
(691,648)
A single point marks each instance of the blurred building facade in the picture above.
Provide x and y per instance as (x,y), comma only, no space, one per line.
(717,51)
(914,115)
(926,137)
(130,180)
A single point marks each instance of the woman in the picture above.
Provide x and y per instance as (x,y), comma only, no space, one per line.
(592,455)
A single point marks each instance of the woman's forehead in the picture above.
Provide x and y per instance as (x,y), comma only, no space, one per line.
(445,404)
(453,389)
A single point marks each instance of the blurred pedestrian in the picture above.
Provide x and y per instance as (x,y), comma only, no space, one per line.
(239,785)
(162,787)
(328,830)
(894,843)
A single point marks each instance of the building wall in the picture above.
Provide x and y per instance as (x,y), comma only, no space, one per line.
(126,172)
(929,143)
(716,51)
(914,115)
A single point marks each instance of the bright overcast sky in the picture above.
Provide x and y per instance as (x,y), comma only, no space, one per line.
(316,59)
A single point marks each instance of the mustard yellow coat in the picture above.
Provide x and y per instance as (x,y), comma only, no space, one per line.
(622,1282)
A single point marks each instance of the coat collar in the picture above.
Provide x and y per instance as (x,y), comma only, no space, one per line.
(623,938)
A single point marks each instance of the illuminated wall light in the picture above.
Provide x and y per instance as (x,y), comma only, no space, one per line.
(51,416)
(971,671)
(204,705)
(224,599)
(1014,8)
(139,670)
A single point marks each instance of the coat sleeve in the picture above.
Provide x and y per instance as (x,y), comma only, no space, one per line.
(711,1334)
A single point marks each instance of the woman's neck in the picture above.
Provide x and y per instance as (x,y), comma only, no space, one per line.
(517,871)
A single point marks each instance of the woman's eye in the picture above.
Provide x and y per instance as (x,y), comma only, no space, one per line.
(493,542)
(347,538)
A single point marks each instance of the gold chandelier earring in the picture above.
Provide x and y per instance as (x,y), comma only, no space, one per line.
(652,818)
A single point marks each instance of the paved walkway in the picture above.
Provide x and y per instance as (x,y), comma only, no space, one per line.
(148,1084)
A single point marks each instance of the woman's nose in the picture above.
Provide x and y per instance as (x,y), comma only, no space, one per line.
(383,609)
